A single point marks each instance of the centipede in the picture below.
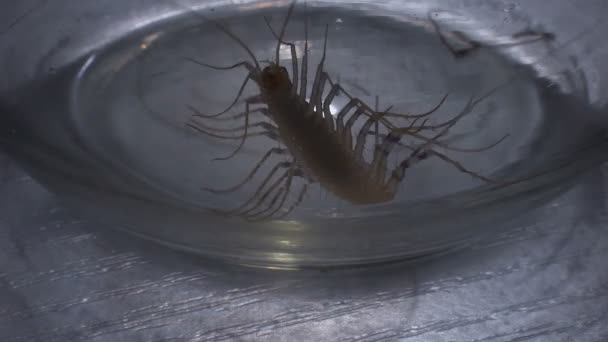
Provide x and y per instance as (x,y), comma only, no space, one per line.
(315,144)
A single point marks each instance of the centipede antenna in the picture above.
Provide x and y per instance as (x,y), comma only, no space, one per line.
(240,42)
(232,35)
(232,104)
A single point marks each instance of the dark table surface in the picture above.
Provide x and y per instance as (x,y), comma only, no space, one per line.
(62,278)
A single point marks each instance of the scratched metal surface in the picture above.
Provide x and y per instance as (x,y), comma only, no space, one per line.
(62,279)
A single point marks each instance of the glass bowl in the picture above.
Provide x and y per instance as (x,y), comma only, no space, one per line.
(97,102)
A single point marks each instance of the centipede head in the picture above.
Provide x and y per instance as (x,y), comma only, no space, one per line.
(275,77)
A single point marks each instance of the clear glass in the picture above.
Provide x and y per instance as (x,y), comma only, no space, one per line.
(95,100)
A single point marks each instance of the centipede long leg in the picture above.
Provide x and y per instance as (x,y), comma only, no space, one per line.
(343,132)
(354,101)
(263,124)
(262,215)
(271,189)
(279,199)
(450,123)
(320,76)
(346,129)
(270,134)
(216,132)
(304,71)
(420,115)
(455,164)
(243,137)
(361,136)
(382,152)
(333,92)
(315,103)
(443,145)
(199,114)
(321,106)
(276,192)
(241,115)
(316,97)
(283,197)
(418,154)
(468,108)
(259,189)
(459,166)
(298,201)
(377,124)
(251,174)
(364,109)
(347,136)
(282,32)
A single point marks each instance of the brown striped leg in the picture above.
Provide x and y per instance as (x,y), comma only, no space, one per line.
(259,191)
(271,193)
(279,198)
(445,146)
(299,200)
(417,155)
(455,164)
(282,195)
